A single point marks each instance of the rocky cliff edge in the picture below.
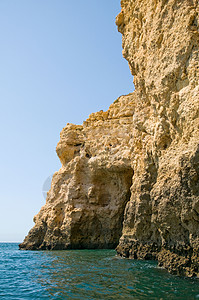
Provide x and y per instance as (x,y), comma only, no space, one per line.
(130,176)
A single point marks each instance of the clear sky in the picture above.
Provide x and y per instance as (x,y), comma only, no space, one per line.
(60,60)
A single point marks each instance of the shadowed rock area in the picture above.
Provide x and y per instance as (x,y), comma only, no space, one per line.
(130,175)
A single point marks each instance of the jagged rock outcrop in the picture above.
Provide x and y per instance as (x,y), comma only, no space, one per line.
(130,176)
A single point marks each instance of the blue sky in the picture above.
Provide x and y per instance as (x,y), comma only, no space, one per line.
(60,61)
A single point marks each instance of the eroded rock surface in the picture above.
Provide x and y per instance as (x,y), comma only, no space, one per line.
(130,176)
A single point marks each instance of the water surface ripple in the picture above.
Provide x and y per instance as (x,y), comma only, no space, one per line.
(86,274)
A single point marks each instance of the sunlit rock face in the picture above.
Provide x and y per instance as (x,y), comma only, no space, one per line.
(88,195)
(161,220)
(130,176)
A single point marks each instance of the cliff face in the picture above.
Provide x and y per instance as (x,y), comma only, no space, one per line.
(130,176)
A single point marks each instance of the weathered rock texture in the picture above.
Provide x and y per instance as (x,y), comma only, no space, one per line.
(130,176)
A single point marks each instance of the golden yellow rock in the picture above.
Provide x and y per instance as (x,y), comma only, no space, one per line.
(130,176)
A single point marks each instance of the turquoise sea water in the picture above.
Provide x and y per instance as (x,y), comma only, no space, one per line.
(86,274)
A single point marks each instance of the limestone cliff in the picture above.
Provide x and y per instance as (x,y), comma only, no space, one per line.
(130,176)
